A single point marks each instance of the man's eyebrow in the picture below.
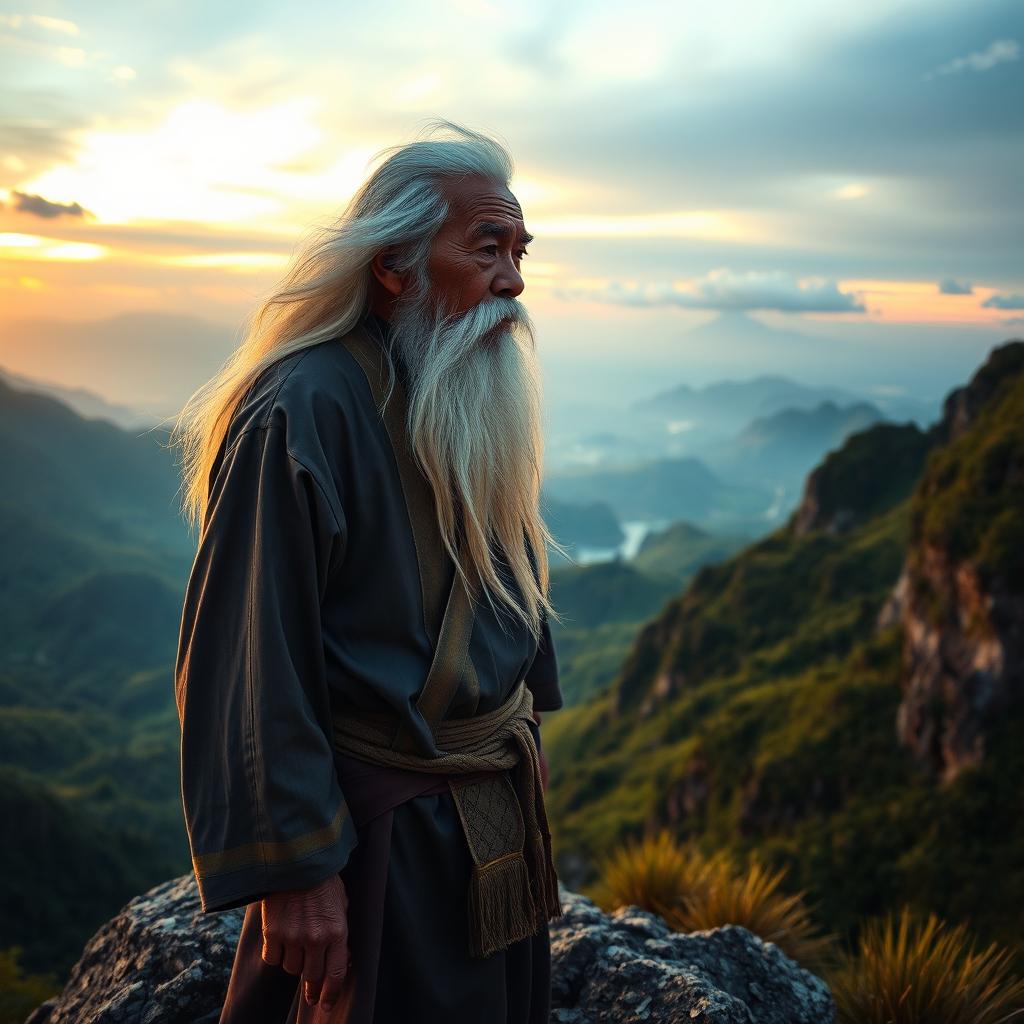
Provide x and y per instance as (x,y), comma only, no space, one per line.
(487,229)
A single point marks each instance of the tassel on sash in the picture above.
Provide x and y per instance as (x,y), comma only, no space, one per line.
(501,908)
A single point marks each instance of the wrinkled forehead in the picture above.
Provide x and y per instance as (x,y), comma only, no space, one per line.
(475,202)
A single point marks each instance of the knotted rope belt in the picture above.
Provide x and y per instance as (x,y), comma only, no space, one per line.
(513,888)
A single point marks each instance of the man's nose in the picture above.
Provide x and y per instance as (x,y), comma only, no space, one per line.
(508,282)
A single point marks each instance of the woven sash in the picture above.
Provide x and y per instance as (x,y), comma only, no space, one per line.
(513,888)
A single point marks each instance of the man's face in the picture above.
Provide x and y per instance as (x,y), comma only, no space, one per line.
(478,252)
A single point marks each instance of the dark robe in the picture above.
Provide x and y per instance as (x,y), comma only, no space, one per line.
(304,596)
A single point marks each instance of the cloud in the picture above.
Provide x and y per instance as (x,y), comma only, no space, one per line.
(941,165)
(723,289)
(999,51)
(949,286)
(16,21)
(997,301)
(55,24)
(40,207)
(854,190)
(733,122)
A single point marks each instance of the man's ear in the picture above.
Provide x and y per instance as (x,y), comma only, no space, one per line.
(383,269)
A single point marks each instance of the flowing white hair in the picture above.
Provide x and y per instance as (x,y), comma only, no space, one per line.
(326,292)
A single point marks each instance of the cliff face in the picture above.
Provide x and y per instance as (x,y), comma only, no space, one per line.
(960,595)
(162,960)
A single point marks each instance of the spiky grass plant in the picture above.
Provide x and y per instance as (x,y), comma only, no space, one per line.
(753,897)
(653,873)
(694,892)
(906,972)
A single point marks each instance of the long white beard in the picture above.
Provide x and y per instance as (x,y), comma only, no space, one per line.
(474,397)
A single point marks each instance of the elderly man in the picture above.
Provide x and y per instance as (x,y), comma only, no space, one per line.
(361,762)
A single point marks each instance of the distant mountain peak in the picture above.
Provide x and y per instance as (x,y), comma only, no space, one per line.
(88,404)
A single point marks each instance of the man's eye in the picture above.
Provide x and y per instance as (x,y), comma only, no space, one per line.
(492,250)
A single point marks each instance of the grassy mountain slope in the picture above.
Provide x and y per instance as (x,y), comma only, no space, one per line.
(756,713)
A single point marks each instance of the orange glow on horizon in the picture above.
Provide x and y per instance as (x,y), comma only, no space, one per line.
(900,302)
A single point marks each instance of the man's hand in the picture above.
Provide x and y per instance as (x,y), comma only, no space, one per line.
(543,757)
(305,931)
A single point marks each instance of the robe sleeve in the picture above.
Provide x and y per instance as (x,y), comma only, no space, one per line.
(263,806)
(542,675)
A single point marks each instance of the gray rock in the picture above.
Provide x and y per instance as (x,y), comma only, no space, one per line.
(162,961)
(159,960)
(630,967)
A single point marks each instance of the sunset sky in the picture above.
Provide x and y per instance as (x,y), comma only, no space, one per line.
(834,171)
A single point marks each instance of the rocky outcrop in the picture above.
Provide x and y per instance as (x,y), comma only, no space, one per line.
(962,406)
(159,960)
(162,961)
(874,470)
(960,595)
